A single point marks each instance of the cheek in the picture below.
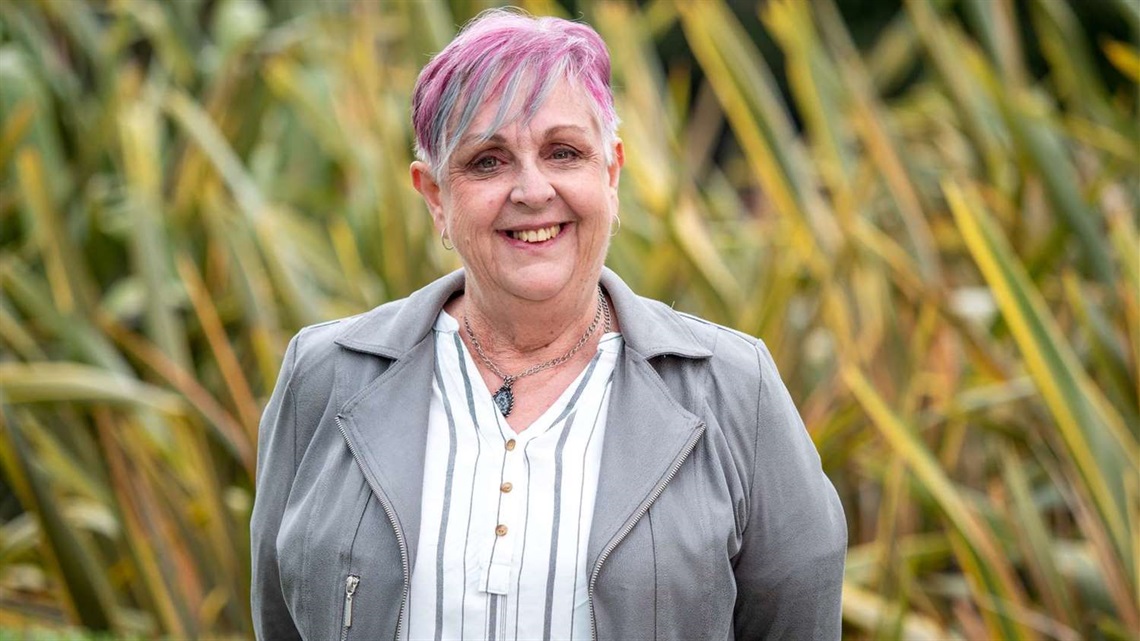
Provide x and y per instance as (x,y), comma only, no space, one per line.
(465,213)
(598,224)
(475,209)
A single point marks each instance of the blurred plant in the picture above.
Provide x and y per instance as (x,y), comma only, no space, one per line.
(943,257)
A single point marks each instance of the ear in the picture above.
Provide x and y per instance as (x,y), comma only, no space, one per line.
(431,192)
(614,170)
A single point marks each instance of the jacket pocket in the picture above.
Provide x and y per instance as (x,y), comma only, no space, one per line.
(351,582)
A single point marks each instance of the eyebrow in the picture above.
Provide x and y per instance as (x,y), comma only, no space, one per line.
(557,129)
(474,139)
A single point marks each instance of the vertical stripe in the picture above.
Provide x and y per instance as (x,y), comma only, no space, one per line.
(526,528)
(581,496)
(448,482)
(577,392)
(550,575)
(503,619)
(474,473)
(486,615)
(493,624)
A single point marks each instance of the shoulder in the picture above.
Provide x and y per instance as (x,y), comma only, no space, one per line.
(348,348)
(314,350)
(731,348)
(738,354)
(735,358)
(719,374)
(695,357)
(742,378)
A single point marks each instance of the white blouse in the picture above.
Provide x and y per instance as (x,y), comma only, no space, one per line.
(506,517)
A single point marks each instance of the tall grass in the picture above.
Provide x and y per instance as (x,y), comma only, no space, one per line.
(936,234)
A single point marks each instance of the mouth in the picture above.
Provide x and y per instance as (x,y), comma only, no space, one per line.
(535,236)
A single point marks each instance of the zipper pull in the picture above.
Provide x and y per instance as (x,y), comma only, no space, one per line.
(349,589)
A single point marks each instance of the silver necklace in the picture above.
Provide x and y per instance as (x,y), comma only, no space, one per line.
(505,396)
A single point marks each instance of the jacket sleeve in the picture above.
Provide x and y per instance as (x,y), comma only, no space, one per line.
(276,467)
(789,571)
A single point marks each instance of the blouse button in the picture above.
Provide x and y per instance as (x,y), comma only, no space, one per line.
(505,487)
(510,445)
(501,530)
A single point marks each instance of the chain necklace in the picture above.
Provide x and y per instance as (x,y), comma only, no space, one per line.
(505,397)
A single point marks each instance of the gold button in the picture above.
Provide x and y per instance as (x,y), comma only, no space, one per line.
(505,487)
(510,445)
(501,530)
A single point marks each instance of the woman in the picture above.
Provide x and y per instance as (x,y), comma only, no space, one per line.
(526,449)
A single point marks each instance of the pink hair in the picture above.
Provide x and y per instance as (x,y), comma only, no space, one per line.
(497,54)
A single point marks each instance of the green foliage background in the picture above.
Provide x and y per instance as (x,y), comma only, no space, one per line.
(935,231)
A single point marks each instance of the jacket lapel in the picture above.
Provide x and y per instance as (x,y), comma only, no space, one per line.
(647,431)
(386,428)
(385,423)
(646,434)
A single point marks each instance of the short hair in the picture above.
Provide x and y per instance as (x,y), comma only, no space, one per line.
(498,54)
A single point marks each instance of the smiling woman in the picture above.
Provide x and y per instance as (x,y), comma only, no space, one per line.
(636,473)
(529,208)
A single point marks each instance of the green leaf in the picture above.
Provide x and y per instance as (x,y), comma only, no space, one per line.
(1096,442)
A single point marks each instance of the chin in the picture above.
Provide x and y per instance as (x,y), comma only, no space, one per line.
(538,291)
(539,285)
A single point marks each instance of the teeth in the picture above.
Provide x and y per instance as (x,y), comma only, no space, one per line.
(537,235)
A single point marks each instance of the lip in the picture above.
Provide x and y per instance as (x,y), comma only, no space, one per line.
(533,226)
(522,244)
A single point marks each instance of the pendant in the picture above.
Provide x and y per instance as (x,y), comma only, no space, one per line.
(505,399)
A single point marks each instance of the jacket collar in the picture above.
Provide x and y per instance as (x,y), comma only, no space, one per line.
(647,438)
(648,327)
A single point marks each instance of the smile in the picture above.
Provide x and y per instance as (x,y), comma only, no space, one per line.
(536,235)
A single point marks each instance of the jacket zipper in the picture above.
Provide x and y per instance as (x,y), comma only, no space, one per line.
(395,527)
(692,443)
(350,584)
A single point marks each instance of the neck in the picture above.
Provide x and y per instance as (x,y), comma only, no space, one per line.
(516,333)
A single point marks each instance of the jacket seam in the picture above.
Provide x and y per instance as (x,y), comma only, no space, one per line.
(756,434)
(708,370)
(291,386)
(653,548)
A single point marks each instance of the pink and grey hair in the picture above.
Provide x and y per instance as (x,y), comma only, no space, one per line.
(497,55)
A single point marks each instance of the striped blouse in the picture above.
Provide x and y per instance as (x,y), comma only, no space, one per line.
(506,517)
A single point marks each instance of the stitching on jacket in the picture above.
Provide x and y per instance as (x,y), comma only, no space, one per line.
(719,328)
(295,382)
(704,386)
(289,390)
(653,548)
(756,443)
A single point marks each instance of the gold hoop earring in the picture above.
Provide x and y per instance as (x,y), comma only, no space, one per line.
(443,241)
(614,230)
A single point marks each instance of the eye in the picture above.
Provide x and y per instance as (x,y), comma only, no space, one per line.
(485,164)
(565,153)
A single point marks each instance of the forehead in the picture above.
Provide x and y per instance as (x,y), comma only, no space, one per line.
(565,107)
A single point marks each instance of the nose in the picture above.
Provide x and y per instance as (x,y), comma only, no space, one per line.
(532,187)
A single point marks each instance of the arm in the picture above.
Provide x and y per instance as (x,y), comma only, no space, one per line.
(276,467)
(789,572)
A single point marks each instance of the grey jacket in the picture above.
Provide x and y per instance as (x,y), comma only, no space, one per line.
(713,518)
